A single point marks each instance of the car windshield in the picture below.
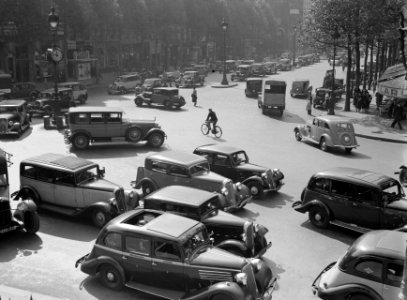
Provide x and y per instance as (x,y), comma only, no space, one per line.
(196,242)
(254,85)
(87,175)
(208,207)
(7,108)
(391,190)
(197,169)
(344,126)
(240,157)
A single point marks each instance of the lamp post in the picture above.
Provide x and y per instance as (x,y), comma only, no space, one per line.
(331,111)
(294,44)
(224,28)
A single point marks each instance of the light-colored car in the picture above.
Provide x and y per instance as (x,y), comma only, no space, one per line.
(80,91)
(14,117)
(371,269)
(125,83)
(328,132)
(166,96)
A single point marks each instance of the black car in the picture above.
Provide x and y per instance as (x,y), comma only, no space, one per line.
(14,118)
(230,232)
(234,163)
(356,199)
(47,103)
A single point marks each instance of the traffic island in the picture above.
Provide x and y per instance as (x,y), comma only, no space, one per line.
(219,85)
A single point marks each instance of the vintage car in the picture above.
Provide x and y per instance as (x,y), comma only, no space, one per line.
(356,199)
(329,132)
(271,67)
(190,79)
(371,269)
(285,64)
(258,70)
(233,163)
(165,96)
(300,88)
(143,250)
(125,83)
(202,69)
(231,233)
(181,168)
(20,215)
(14,118)
(94,124)
(149,84)
(73,186)
(24,90)
(242,72)
(79,90)
(46,104)
(253,87)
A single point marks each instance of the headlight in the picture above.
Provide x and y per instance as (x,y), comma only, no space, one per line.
(347,139)
(22,206)
(275,172)
(256,264)
(264,175)
(239,186)
(10,123)
(241,278)
(244,237)
(113,201)
(225,191)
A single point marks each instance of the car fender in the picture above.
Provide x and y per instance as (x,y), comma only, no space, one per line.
(403,167)
(327,138)
(302,208)
(155,130)
(106,207)
(253,178)
(149,180)
(20,193)
(346,290)
(81,131)
(31,206)
(92,266)
(232,244)
(231,289)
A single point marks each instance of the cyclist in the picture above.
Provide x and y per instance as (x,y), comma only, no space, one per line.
(212,118)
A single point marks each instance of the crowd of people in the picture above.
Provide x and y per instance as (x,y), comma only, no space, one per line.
(361,100)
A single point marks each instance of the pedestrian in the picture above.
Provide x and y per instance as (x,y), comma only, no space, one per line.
(365,100)
(356,98)
(194,96)
(398,115)
(309,103)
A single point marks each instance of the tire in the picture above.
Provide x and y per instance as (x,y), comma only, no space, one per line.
(205,129)
(298,136)
(31,222)
(100,217)
(256,189)
(80,141)
(221,297)
(156,139)
(147,188)
(318,217)
(403,176)
(134,134)
(348,150)
(111,277)
(219,132)
(138,102)
(323,145)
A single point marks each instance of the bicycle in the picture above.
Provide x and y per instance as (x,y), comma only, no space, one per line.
(205,130)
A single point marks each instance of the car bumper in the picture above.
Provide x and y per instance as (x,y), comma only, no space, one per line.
(319,290)
(297,205)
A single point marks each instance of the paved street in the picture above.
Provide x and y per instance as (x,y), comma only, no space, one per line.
(44,264)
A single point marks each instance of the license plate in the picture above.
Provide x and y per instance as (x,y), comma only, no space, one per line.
(8,229)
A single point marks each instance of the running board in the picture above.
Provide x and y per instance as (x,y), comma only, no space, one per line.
(352,227)
(60,209)
(163,293)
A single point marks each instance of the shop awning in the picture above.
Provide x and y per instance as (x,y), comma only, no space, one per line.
(393,82)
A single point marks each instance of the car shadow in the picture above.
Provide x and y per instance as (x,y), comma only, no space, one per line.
(276,268)
(338,151)
(162,108)
(287,117)
(18,243)
(274,200)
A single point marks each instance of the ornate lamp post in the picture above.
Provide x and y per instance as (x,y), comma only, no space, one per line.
(224,28)
(55,55)
(331,111)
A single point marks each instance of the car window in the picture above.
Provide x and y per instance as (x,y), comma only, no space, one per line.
(137,245)
(44,174)
(222,160)
(178,171)
(28,171)
(394,273)
(342,188)
(159,166)
(370,268)
(365,195)
(64,178)
(326,125)
(166,250)
(113,240)
(321,184)
(96,118)
(81,118)
(113,117)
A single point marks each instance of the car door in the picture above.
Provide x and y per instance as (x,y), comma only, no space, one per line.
(113,124)
(64,191)
(364,207)
(97,126)
(392,279)
(157,171)
(338,198)
(222,164)
(178,175)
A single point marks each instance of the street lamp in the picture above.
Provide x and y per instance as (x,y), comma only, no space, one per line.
(224,28)
(331,111)
(294,44)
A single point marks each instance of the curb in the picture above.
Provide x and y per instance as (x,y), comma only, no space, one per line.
(380,138)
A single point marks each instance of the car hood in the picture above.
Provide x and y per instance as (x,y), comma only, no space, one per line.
(224,218)
(218,258)
(251,167)
(6,115)
(399,205)
(100,184)
(210,176)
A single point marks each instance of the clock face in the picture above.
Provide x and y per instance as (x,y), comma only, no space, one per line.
(56,55)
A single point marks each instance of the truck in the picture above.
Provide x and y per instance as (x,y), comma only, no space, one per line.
(272,97)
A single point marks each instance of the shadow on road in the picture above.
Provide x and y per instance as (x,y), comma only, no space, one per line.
(338,151)
(18,243)
(274,200)
(276,268)
(287,117)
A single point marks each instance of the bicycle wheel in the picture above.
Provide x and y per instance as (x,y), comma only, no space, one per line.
(204,129)
(218,133)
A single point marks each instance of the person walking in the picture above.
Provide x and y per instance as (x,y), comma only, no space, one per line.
(398,115)
(194,96)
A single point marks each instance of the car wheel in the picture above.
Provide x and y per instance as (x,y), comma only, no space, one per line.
(156,139)
(122,90)
(298,136)
(31,222)
(348,150)
(359,297)
(147,188)
(80,141)
(28,194)
(318,217)
(100,217)
(111,277)
(138,102)
(221,297)
(323,145)
(134,134)
(256,189)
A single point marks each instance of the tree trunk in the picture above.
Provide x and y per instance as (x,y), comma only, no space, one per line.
(383,56)
(371,65)
(348,77)
(357,62)
(365,65)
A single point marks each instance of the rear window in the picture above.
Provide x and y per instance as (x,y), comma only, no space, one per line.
(274,88)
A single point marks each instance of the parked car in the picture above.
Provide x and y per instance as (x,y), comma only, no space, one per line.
(233,163)
(125,83)
(328,132)
(202,69)
(143,250)
(231,233)
(258,70)
(166,96)
(24,90)
(190,79)
(149,84)
(176,167)
(355,199)
(104,124)
(271,67)
(371,269)
(300,88)
(80,91)
(46,103)
(285,64)
(242,72)
(254,87)
(22,215)
(73,186)
(14,117)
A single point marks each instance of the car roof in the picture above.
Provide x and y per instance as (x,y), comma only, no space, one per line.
(243,66)
(184,195)
(68,83)
(361,176)
(254,79)
(219,148)
(384,243)
(96,109)
(12,102)
(301,80)
(178,157)
(67,162)
(331,119)
(128,75)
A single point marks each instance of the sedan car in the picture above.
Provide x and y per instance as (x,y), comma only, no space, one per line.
(165,96)
(14,118)
(328,132)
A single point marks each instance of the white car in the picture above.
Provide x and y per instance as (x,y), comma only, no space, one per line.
(80,91)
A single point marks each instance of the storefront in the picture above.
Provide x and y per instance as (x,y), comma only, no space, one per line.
(393,82)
